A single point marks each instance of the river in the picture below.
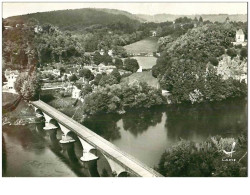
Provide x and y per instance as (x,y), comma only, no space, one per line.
(145,134)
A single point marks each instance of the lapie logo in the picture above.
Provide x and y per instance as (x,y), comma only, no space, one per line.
(230,153)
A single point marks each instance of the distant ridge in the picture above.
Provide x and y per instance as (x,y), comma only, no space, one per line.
(78,19)
(212,17)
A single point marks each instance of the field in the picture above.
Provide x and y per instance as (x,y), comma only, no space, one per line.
(148,45)
(146,62)
(145,76)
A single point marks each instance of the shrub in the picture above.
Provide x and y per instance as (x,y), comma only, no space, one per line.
(131,65)
(232,52)
(213,61)
(243,52)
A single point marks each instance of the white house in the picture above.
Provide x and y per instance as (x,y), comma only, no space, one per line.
(110,52)
(140,69)
(11,76)
(240,38)
(38,29)
(153,33)
(76,93)
(102,52)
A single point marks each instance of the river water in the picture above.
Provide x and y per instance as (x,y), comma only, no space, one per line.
(145,134)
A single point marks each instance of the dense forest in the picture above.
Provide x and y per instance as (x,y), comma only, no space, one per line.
(187,64)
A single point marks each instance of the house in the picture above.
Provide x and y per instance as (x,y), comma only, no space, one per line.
(8,27)
(102,52)
(153,33)
(140,69)
(110,52)
(38,29)
(240,38)
(76,93)
(11,76)
(105,69)
(56,72)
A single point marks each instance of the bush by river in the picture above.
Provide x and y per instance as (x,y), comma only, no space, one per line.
(206,159)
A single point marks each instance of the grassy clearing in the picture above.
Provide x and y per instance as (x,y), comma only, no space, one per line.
(145,76)
(148,45)
(146,62)
(66,106)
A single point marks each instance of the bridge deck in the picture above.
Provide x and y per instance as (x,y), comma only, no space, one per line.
(125,160)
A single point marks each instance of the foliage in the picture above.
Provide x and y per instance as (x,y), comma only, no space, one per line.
(118,63)
(232,52)
(184,65)
(243,52)
(73,78)
(86,89)
(203,159)
(97,79)
(131,64)
(120,97)
(86,73)
(108,80)
(116,74)
(28,85)
(213,61)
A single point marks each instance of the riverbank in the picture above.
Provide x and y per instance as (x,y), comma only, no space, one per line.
(23,114)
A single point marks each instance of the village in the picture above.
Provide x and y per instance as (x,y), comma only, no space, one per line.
(68,78)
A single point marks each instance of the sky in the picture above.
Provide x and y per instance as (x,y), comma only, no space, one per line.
(12,9)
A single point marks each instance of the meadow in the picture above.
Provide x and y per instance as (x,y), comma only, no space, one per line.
(146,62)
(145,76)
(148,45)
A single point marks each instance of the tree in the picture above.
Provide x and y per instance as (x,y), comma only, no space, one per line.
(243,52)
(73,78)
(86,73)
(28,86)
(86,89)
(97,58)
(200,19)
(108,80)
(107,59)
(231,52)
(116,74)
(213,61)
(97,79)
(118,63)
(131,64)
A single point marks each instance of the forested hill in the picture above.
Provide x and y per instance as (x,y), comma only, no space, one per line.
(211,17)
(79,19)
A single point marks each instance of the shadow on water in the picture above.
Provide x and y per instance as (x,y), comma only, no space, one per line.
(227,118)
(65,152)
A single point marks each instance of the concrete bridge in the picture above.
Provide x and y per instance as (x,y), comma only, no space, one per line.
(120,162)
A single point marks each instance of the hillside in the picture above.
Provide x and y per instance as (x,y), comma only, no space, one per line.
(212,17)
(78,19)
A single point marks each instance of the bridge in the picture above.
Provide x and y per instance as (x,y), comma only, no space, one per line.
(119,161)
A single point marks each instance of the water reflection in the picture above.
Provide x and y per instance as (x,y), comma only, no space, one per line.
(104,125)
(140,120)
(146,134)
(226,118)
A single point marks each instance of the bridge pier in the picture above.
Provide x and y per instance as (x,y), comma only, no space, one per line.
(120,163)
(65,137)
(116,169)
(89,159)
